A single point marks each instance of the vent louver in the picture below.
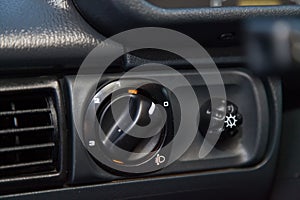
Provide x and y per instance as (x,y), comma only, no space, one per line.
(28,135)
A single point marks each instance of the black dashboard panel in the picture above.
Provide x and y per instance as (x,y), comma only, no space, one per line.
(206,25)
(49,39)
(36,33)
(230,183)
(245,149)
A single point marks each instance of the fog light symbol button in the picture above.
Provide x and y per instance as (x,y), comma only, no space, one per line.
(160,159)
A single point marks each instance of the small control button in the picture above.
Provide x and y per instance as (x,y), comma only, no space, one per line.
(232,120)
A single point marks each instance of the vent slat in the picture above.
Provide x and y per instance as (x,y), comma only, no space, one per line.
(18,112)
(29,164)
(17,130)
(29,141)
(27,147)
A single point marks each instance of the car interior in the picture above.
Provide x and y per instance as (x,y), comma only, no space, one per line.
(150,99)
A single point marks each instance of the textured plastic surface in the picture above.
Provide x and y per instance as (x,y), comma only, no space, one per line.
(228,184)
(43,33)
(24,43)
(204,24)
(248,148)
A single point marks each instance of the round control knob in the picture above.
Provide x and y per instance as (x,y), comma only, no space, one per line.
(136,126)
(127,124)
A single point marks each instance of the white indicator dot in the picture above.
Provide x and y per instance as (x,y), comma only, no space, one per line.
(166,104)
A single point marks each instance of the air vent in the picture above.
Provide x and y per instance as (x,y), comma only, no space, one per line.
(28,135)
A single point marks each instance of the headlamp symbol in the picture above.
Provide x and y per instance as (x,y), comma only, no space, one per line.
(160,159)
